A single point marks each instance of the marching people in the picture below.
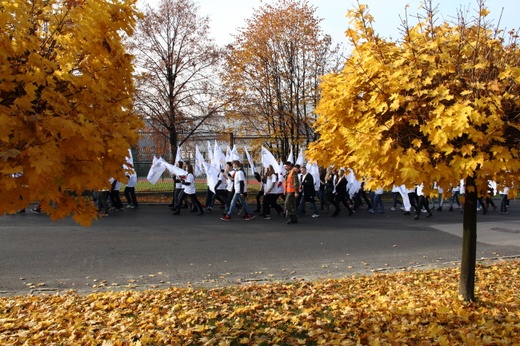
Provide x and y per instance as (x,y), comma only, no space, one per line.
(178,192)
(412,197)
(117,204)
(240,188)
(328,190)
(291,188)
(271,193)
(407,206)
(490,193)
(361,194)
(340,193)
(220,191)
(321,191)
(455,197)
(129,191)
(440,198)
(335,189)
(377,200)
(308,192)
(189,191)
(504,201)
(395,197)
(102,202)
(261,179)
(423,202)
(229,173)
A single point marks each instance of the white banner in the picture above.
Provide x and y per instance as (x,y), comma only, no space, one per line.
(251,163)
(156,170)
(268,159)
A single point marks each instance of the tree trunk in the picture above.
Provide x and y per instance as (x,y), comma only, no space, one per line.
(469,242)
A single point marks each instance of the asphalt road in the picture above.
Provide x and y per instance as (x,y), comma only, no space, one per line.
(149,247)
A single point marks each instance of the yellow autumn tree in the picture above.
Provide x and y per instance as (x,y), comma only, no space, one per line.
(440,105)
(272,72)
(66,120)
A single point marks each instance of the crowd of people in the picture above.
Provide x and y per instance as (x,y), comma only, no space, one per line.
(290,194)
(296,190)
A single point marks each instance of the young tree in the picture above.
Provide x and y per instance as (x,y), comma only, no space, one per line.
(439,106)
(272,74)
(65,102)
(176,62)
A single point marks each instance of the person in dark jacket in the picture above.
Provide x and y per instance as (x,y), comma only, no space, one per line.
(340,193)
(308,192)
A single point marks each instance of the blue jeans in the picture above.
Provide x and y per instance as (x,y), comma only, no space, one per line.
(242,200)
(378,201)
(503,203)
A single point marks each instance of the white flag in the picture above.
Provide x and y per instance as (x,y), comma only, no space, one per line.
(290,158)
(268,159)
(251,163)
(353,185)
(211,176)
(199,160)
(178,156)
(234,153)
(174,170)
(282,170)
(228,154)
(156,170)
(300,159)
(218,156)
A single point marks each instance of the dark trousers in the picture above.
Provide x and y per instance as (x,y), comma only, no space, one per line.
(116,200)
(423,203)
(130,195)
(270,201)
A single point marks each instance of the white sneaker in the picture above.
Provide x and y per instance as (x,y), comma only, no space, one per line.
(316,215)
(392,209)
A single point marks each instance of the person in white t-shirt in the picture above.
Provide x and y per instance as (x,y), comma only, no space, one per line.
(117,204)
(271,193)
(240,186)
(220,191)
(504,201)
(130,190)
(190,191)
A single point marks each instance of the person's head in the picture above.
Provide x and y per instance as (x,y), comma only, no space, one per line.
(297,168)
(180,164)
(189,168)
(269,170)
(236,164)
(341,172)
(303,169)
(288,166)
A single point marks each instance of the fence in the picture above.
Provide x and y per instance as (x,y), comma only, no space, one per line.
(165,183)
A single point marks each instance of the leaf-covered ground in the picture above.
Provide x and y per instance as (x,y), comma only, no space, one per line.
(405,308)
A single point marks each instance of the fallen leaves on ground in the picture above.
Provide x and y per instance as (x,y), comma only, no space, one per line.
(412,308)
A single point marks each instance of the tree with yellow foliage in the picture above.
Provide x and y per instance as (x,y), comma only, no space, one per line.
(66,120)
(441,105)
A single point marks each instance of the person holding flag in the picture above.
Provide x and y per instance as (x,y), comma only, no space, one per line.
(188,182)
(240,193)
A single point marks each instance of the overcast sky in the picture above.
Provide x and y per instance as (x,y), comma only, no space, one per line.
(228,15)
